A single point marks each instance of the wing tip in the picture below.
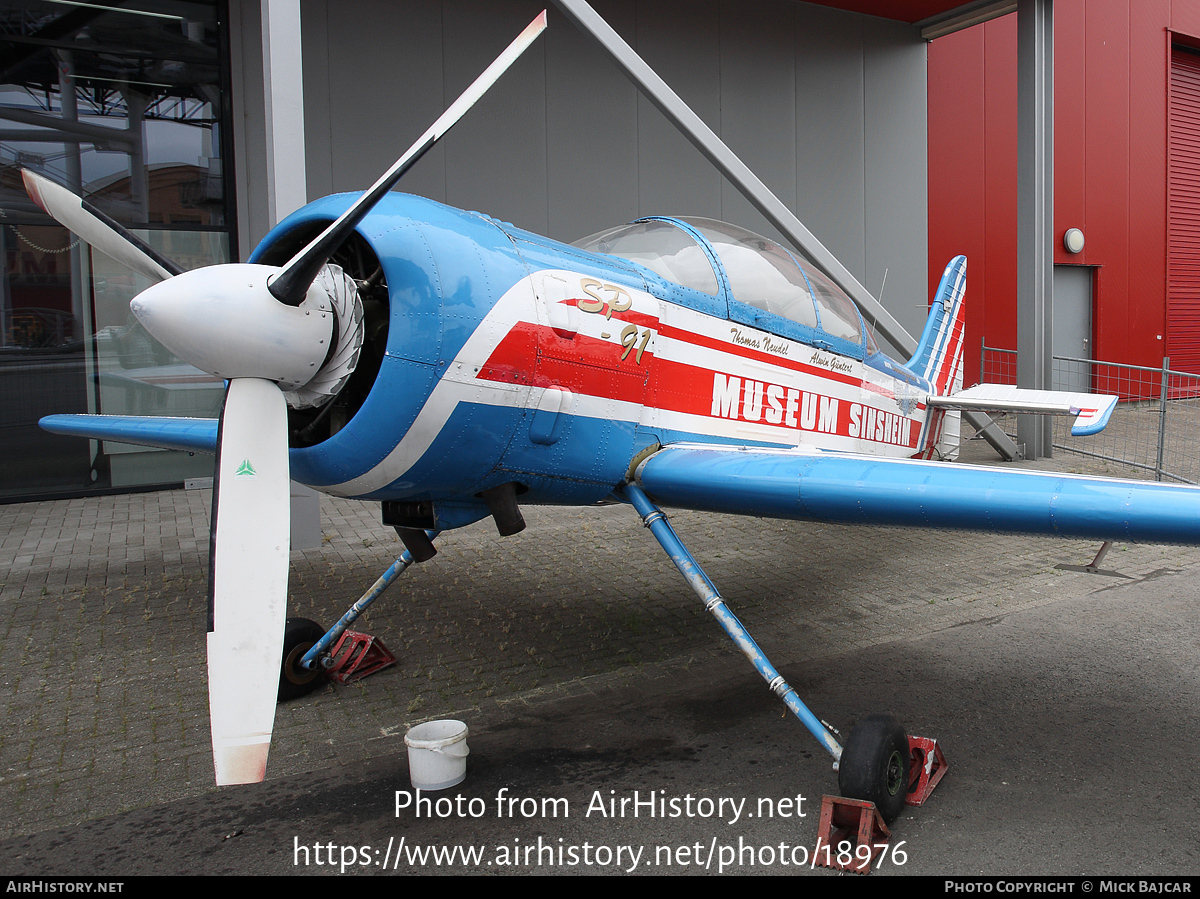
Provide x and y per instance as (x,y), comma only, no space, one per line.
(1099,420)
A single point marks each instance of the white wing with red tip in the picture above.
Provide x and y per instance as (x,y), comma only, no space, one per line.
(1091,410)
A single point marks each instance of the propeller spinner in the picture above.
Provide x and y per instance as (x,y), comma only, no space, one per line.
(269,331)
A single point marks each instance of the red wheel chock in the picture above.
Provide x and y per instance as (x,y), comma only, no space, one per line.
(356,655)
(925,770)
(854,821)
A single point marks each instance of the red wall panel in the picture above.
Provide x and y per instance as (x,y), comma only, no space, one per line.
(1111,64)
(956,155)
(1146,251)
(1000,197)
(1185,17)
(1070,82)
(1106,167)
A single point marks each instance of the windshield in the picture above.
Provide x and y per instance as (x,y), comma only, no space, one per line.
(761,273)
(839,315)
(665,249)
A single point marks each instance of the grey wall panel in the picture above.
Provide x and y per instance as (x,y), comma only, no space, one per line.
(680,41)
(897,184)
(827,107)
(591,130)
(496,156)
(249,117)
(758,102)
(385,88)
(318,147)
(830,152)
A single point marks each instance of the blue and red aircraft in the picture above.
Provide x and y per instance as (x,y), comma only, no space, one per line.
(452,367)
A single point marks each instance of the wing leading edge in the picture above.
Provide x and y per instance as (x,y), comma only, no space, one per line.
(852,489)
(196,435)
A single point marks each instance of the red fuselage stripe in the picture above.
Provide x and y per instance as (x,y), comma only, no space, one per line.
(591,366)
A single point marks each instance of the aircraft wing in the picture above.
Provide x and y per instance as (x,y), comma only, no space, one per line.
(854,489)
(1091,410)
(196,435)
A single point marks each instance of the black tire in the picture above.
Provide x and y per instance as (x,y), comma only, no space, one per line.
(298,638)
(874,765)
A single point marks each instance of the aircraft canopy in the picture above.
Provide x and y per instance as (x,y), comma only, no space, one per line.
(760,272)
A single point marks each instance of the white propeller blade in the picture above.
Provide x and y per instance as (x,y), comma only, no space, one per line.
(223,319)
(248,580)
(96,228)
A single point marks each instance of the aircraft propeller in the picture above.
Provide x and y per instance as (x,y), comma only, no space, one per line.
(268,330)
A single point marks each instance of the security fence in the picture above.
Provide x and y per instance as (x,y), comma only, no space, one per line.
(1151,432)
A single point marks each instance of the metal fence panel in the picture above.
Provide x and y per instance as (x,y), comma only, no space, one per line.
(1152,431)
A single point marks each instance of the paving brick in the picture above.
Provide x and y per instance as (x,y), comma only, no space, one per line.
(103,702)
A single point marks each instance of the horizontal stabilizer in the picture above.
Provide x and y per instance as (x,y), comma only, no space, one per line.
(808,485)
(195,435)
(1091,410)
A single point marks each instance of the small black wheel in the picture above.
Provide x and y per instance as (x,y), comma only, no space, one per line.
(298,638)
(874,765)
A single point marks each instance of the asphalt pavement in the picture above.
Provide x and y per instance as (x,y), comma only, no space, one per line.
(1067,703)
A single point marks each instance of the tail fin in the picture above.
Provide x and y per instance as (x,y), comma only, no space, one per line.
(938,358)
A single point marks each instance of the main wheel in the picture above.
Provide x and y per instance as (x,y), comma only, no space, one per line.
(874,765)
(298,638)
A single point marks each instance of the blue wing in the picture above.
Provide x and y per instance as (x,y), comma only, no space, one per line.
(196,435)
(803,484)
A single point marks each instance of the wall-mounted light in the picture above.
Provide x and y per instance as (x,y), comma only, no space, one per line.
(1073,240)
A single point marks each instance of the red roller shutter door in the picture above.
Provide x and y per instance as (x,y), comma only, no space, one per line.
(1183,213)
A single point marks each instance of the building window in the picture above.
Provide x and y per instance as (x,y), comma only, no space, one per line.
(126,105)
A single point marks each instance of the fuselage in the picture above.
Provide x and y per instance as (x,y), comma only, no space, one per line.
(514,358)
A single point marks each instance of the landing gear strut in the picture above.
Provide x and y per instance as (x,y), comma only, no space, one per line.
(307,645)
(874,765)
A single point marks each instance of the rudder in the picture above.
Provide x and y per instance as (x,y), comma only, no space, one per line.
(938,358)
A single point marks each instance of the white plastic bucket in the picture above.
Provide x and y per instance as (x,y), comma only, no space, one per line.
(437,754)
